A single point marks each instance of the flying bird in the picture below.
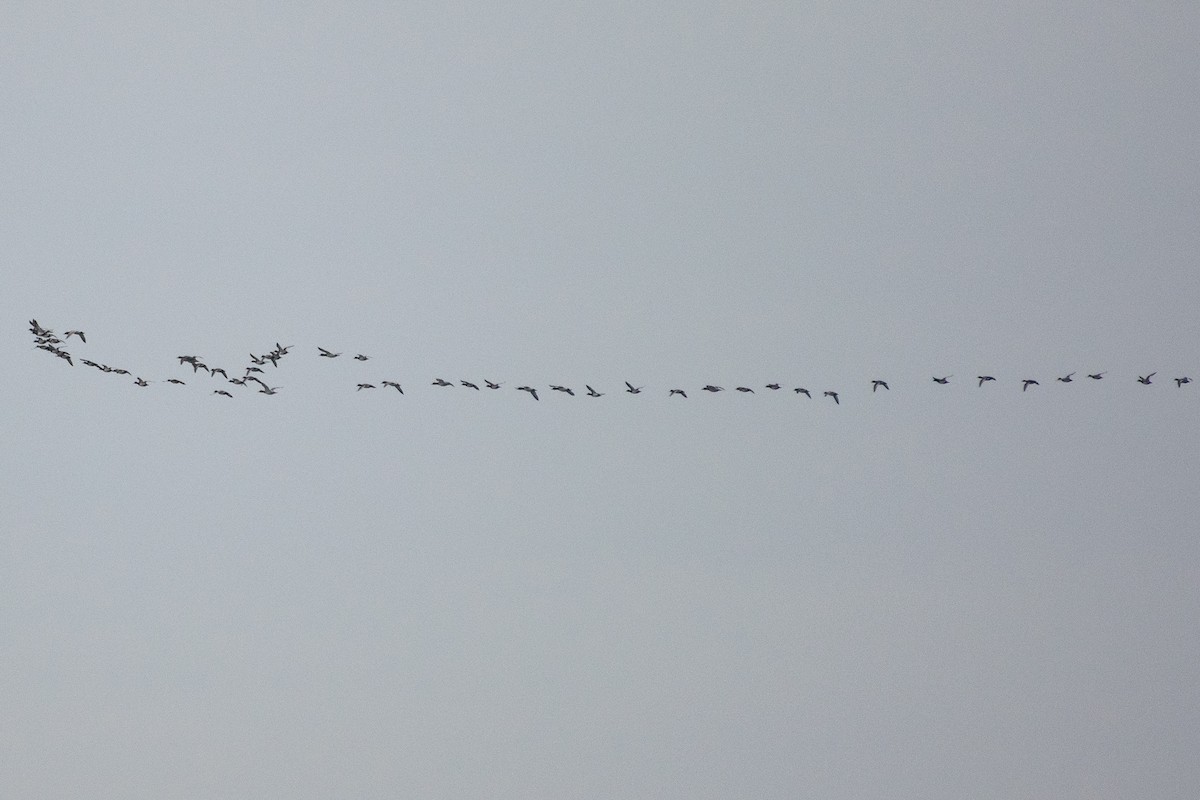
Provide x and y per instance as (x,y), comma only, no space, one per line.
(773,386)
(361,357)
(1025,384)
(679,392)
(469,385)
(633,389)
(328,353)
(1095,375)
(985,378)
(876,384)
(834,395)
(1145,379)
(944,380)
(222,391)
(803,391)
(1066,378)
(1181,381)
(142,382)
(176,380)
(362,386)
(440,382)
(745,389)
(711,388)
(395,385)
(69,334)
(529,389)
(592,392)
(492,384)
(562,389)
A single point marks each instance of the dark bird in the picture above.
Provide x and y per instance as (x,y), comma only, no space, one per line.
(254,369)
(87,363)
(944,380)
(592,392)
(394,385)
(1066,378)
(1025,384)
(834,395)
(529,389)
(256,380)
(469,385)
(679,392)
(118,370)
(269,390)
(491,384)
(440,382)
(239,381)
(176,381)
(1095,375)
(215,370)
(257,360)
(222,391)
(142,382)
(362,386)
(745,389)
(328,353)
(773,386)
(876,384)
(1145,379)
(562,389)
(803,391)
(361,357)
(1181,381)
(985,378)
(69,334)
(711,388)
(633,389)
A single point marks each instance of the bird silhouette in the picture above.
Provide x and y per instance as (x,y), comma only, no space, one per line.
(492,384)
(592,392)
(1095,375)
(834,395)
(803,391)
(69,334)
(361,357)
(773,386)
(469,385)
(745,389)
(944,380)
(1181,381)
(876,384)
(633,389)
(394,385)
(562,389)
(679,392)
(440,382)
(362,386)
(529,389)
(1025,384)
(222,391)
(1145,379)
(711,388)
(1066,378)
(328,353)
(984,378)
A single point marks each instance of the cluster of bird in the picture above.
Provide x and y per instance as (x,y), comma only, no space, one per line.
(46,339)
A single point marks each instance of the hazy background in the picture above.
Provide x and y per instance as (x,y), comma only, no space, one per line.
(933,592)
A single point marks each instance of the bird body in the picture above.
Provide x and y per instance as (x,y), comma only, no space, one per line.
(564,389)
(1095,375)
(679,392)
(944,380)
(633,389)
(1025,384)
(1145,379)
(1066,378)
(834,395)
(394,385)
(803,391)
(469,385)
(529,389)
(362,386)
(745,389)
(711,388)
(984,379)
(328,353)
(1181,381)
(876,384)
(592,392)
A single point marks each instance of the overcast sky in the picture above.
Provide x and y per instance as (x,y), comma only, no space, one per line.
(931,591)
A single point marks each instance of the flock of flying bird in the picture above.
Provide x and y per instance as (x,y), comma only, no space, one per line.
(46,339)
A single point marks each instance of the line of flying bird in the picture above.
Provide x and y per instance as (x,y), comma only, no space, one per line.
(46,339)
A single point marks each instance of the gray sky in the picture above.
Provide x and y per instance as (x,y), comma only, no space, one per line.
(932,592)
